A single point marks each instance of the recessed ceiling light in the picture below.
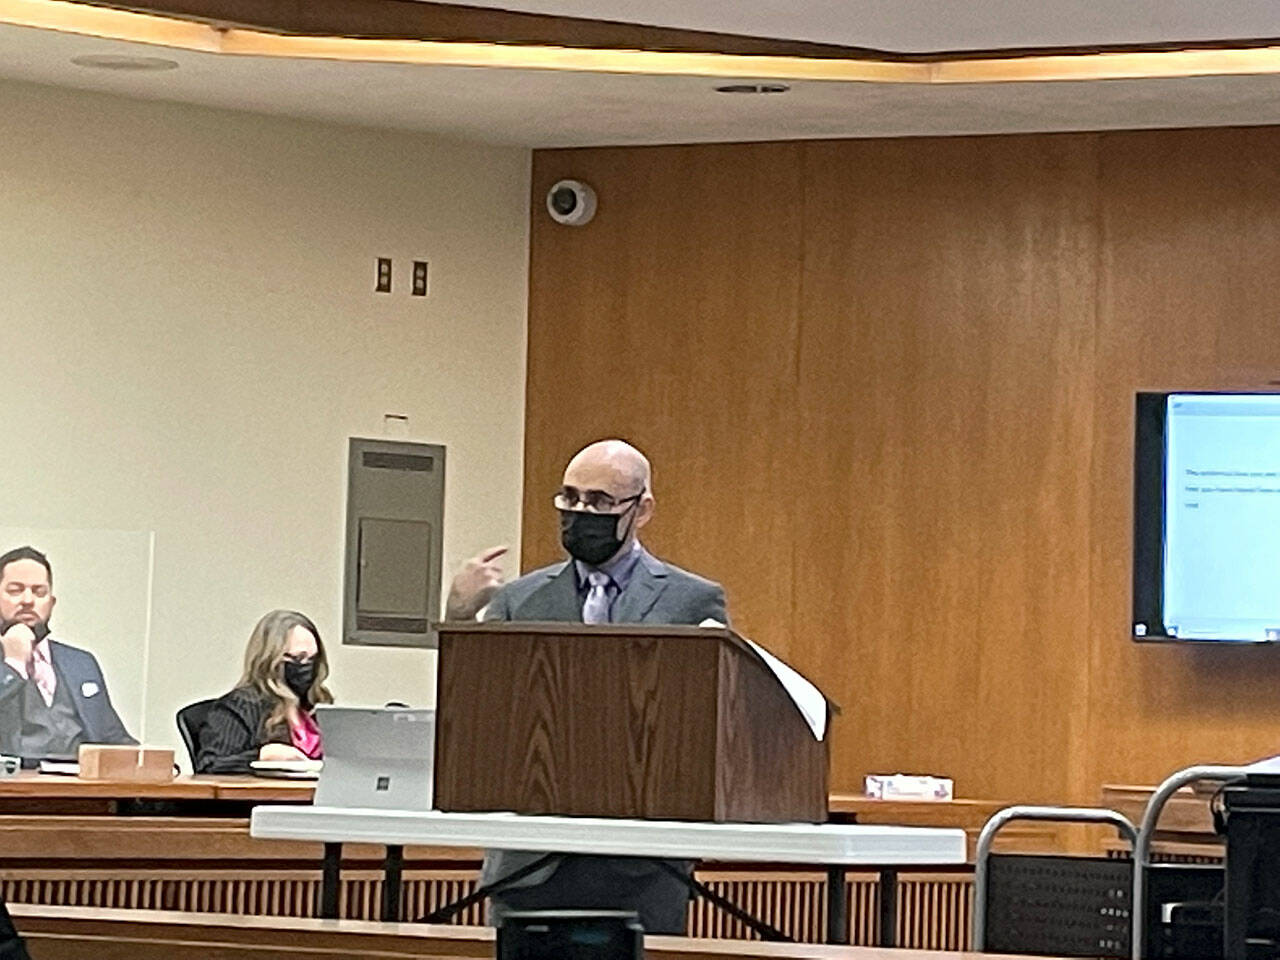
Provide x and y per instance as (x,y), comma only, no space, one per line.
(753,88)
(108,61)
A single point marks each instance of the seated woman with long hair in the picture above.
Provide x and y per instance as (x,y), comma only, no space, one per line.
(268,716)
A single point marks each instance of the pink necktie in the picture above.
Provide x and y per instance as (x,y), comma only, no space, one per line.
(46,680)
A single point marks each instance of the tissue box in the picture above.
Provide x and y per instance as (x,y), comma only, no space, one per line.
(902,786)
(130,764)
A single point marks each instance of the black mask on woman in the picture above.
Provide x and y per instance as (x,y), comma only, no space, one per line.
(298,677)
(591,537)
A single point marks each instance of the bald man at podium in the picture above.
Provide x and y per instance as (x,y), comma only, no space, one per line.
(605,500)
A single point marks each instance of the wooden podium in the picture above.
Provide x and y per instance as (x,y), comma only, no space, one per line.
(660,722)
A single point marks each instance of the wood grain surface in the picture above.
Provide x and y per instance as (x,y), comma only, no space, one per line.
(29,783)
(414,19)
(947,308)
(1186,814)
(887,389)
(769,766)
(672,320)
(180,841)
(1187,300)
(62,933)
(677,723)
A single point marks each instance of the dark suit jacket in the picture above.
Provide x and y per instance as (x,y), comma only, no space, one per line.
(234,730)
(79,670)
(657,593)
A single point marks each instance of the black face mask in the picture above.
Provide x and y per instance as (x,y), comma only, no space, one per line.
(41,629)
(298,677)
(591,537)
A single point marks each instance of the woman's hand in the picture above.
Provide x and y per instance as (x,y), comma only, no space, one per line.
(280,751)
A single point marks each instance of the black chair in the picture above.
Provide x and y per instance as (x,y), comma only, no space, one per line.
(12,946)
(190,720)
(1066,906)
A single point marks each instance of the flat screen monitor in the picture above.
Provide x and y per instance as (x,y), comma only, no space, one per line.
(1206,560)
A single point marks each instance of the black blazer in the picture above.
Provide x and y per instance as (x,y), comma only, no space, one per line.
(235,730)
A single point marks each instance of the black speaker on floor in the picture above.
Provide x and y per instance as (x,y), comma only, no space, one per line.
(571,935)
(1252,817)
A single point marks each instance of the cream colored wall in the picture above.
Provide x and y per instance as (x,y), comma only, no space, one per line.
(188,336)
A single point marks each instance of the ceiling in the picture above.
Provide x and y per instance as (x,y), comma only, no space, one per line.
(920,26)
(550,108)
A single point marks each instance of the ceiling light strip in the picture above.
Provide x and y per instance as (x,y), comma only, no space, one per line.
(108,24)
(573,59)
(1145,65)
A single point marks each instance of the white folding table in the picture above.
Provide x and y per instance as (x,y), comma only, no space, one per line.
(835,847)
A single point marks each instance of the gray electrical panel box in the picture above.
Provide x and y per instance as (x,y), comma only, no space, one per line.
(395,519)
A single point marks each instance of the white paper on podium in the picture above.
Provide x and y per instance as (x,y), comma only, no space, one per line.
(809,700)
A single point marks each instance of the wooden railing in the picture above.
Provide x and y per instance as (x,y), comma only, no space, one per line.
(933,908)
(74,933)
(65,842)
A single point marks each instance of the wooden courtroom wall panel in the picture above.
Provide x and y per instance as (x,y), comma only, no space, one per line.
(887,387)
(947,334)
(673,321)
(1189,289)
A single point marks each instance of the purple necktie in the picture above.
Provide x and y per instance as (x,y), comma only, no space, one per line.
(596,607)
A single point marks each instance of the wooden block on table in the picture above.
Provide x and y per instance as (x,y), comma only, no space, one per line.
(126,763)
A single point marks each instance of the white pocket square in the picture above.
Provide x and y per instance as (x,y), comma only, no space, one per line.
(89,689)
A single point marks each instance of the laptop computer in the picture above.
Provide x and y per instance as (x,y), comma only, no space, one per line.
(376,758)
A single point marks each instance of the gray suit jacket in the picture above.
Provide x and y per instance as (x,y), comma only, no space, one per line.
(657,593)
(79,670)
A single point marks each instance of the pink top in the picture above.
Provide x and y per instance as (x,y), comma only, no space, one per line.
(305,735)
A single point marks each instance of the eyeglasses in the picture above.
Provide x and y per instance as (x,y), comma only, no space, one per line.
(597,501)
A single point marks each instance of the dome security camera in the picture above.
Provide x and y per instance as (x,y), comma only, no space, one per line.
(571,202)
